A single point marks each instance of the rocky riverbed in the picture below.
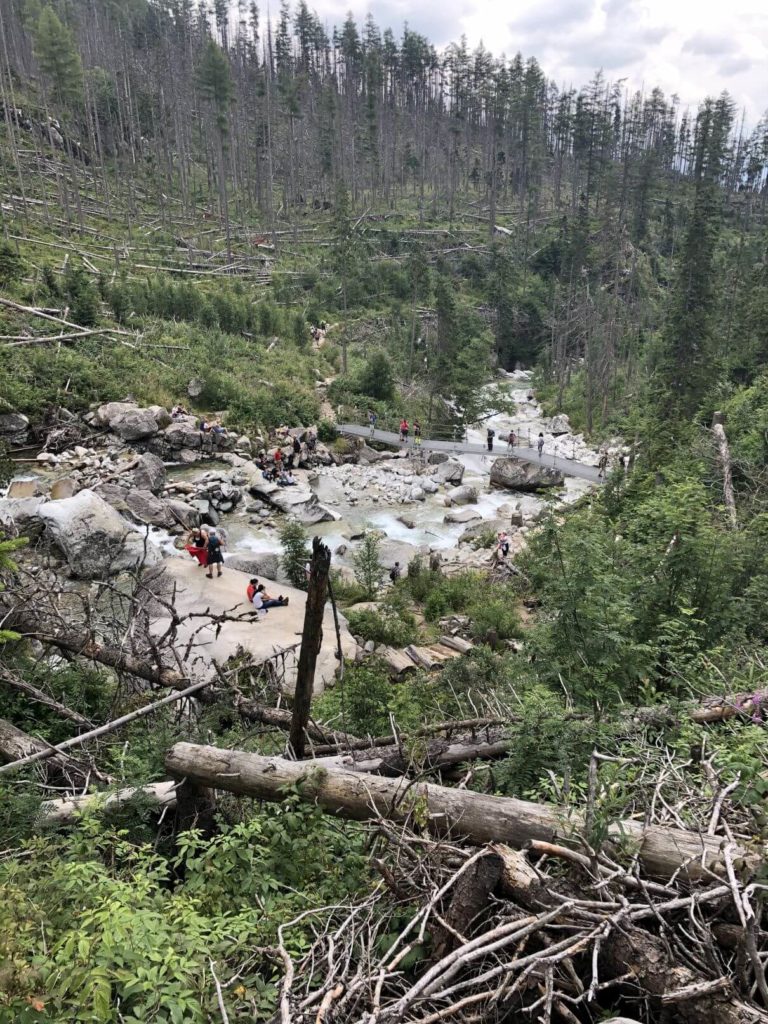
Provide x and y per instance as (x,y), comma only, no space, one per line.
(122,487)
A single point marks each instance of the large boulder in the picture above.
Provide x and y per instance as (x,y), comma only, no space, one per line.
(150,473)
(436,458)
(140,506)
(450,472)
(464,495)
(13,428)
(161,415)
(184,514)
(108,412)
(515,475)
(462,515)
(21,516)
(183,436)
(559,424)
(94,538)
(266,564)
(134,424)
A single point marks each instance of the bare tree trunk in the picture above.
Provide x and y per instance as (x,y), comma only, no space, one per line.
(312,638)
(662,851)
(724,455)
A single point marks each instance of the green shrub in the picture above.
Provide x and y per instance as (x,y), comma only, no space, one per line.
(494,614)
(11,264)
(296,553)
(369,572)
(327,432)
(382,627)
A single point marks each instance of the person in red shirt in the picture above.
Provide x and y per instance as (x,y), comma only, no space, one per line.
(251,590)
(403,430)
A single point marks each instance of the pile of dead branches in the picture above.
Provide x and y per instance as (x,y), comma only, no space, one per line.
(461,934)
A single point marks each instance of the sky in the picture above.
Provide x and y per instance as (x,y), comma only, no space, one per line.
(692,48)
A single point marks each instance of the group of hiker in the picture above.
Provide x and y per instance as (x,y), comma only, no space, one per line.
(511,439)
(205,544)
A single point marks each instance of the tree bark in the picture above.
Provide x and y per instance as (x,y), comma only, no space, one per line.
(724,455)
(662,851)
(67,810)
(311,641)
(16,745)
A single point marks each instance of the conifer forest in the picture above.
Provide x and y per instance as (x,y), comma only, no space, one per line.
(383,530)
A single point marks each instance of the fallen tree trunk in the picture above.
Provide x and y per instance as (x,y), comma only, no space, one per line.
(16,745)
(662,851)
(64,812)
(394,760)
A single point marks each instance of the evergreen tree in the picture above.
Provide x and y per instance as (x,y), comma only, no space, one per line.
(296,553)
(369,572)
(58,57)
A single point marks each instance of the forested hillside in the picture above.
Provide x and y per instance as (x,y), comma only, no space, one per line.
(491,744)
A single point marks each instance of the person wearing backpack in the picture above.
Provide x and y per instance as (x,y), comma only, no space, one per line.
(404,430)
(417,433)
(215,554)
(489,436)
(372,421)
(395,572)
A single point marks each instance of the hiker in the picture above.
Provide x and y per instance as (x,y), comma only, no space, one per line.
(395,572)
(296,452)
(511,440)
(250,590)
(417,433)
(261,599)
(278,457)
(215,553)
(404,430)
(540,443)
(503,544)
(602,465)
(311,441)
(197,546)
(372,421)
(622,463)
(489,436)
(177,411)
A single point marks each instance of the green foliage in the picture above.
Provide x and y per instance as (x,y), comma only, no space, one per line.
(385,627)
(11,264)
(491,607)
(82,296)
(214,81)
(369,572)
(296,553)
(58,57)
(107,938)
(375,379)
(326,432)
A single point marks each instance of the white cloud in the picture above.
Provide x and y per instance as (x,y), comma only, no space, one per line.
(691,48)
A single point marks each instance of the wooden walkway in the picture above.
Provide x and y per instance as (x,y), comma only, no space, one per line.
(569,467)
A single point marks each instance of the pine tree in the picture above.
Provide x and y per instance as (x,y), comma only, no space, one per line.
(58,57)
(214,82)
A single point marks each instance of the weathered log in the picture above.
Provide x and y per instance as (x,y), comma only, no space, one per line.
(457,643)
(311,641)
(696,1001)
(718,709)
(398,663)
(64,812)
(392,760)
(662,851)
(724,457)
(424,656)
(16,745)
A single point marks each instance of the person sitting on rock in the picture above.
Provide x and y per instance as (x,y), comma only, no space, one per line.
(250,590)
(288,479)
(197,546)
(261,599)
(178,411)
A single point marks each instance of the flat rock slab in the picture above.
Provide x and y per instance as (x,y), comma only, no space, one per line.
(278,630)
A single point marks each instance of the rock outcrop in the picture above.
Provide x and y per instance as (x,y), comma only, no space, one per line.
(464,495)
(14,428)
(94,538)
(514,475)
(450,472)
(150,473)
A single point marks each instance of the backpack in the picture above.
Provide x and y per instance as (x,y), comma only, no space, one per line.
(213,543)
(394,575)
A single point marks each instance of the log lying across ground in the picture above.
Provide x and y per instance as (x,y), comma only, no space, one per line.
(67,810)
(481,818)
